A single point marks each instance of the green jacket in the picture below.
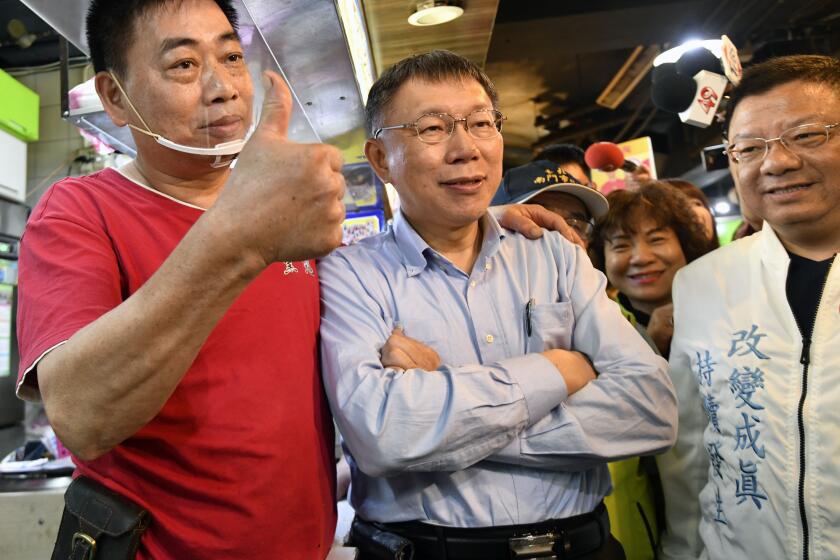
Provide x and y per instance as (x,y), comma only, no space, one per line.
(632,505)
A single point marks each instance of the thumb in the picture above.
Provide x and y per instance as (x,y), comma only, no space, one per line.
(277,105)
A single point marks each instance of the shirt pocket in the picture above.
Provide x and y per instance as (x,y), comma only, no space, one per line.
(429,332)
(552,325)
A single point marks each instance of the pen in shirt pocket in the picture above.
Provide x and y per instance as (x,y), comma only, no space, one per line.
(529,308)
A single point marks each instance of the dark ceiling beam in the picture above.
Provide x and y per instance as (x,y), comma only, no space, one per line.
(595,32)
(644,124)
(620,135)
(569,135)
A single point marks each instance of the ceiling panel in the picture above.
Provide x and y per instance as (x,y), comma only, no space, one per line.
(392,38)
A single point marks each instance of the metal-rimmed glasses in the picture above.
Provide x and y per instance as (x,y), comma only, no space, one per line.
(432,128)
(583,227)
(797,140)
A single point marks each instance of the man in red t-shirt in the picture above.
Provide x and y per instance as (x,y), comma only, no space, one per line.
(168,312)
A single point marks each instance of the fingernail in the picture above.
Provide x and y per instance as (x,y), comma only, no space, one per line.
(266,81)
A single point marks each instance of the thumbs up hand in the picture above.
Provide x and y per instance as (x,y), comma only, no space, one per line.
(283,200)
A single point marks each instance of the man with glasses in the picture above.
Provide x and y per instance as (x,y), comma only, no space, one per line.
(546,183)
(757,337)
(459,359)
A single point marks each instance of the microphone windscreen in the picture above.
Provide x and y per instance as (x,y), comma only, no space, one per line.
(663,69)
(698,59)
(673,92)
(604,156)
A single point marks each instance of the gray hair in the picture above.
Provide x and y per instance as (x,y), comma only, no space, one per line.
(434,66)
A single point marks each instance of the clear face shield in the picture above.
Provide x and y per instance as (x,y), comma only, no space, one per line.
(225,152)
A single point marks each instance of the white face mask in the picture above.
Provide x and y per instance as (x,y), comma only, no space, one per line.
(231,148)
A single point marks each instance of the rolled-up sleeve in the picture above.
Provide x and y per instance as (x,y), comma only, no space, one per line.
(397,421)
(630,409)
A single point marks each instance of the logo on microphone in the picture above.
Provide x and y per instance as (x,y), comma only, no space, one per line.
(708,99)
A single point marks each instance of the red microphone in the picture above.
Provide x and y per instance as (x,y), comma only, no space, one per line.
(606,156)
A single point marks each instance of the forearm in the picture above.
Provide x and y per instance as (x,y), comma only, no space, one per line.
(613,418)
(446,420)
(629,410)
(115,375)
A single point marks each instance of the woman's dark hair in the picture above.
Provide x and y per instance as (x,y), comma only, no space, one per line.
(662,203)
(694,192)
(111,26)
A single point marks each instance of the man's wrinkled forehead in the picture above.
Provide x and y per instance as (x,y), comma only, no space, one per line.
(176,24)
(784,106)
(413,98)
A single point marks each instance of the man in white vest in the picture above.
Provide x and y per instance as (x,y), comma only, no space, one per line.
(756,350)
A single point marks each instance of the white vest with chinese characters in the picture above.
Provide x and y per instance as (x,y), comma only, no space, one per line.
(740,369)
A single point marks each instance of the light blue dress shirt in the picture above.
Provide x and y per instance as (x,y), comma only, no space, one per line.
(492,437)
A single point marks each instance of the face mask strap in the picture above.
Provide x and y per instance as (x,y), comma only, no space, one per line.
(131,105)
(217,163)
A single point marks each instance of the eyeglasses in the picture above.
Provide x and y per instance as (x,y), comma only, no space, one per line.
(797,140)
(432,128)
(583,227)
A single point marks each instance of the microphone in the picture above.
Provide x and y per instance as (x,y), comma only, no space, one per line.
(606,156)
(672,91)
(698,59)
(705,103)
(693,86)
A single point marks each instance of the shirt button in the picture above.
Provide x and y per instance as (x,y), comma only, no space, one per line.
(472,283)
(489,338)
(487,266)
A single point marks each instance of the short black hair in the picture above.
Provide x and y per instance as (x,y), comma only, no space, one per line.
(111,25)
(433,66)
(664,204)
(565,153)
(761,78)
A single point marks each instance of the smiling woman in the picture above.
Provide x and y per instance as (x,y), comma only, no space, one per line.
(647,235)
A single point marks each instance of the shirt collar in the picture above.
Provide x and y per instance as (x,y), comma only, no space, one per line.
(773,250)
(415,251)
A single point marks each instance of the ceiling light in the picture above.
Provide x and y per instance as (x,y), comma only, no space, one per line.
(722,207)
(434,12)
(355,32)
(674,54)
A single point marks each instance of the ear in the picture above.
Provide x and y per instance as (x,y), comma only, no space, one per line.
(112,98)
(377,156)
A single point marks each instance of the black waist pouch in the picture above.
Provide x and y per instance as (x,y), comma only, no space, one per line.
(376,544)
(98,524)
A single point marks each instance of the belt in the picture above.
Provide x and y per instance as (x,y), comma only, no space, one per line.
(565,539)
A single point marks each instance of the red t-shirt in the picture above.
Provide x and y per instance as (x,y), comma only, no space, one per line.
(239,463)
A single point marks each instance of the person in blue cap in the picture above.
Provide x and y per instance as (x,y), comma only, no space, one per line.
(545,183)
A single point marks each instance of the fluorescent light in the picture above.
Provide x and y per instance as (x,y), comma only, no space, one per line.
(355,32)
(673,55)
(434,13)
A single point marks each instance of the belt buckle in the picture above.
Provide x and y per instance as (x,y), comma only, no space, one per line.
(533,546)
(82,539)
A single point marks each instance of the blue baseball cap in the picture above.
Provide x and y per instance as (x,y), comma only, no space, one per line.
(521,184)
